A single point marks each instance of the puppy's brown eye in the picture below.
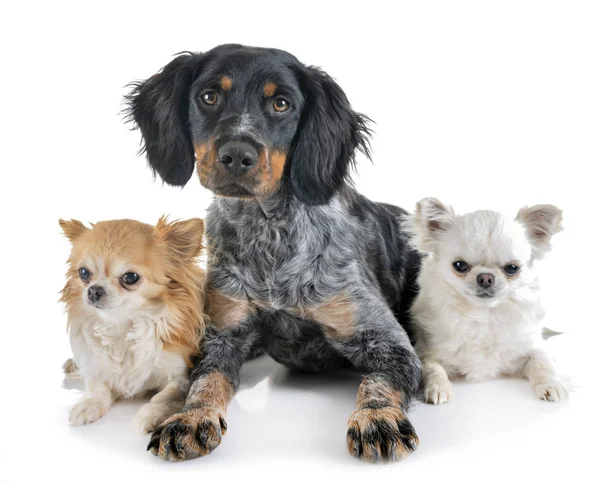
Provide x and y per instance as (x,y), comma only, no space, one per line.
(281,104)
(461,266)
(511,269)
(130,278)
(84,274)
(210,97)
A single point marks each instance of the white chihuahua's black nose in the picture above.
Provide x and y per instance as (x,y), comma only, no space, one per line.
(485,280)
(95,293)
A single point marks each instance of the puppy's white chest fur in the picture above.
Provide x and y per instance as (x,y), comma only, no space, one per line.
(125,353)
(477,342)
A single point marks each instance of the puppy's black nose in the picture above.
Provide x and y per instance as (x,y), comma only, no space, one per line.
(95,293)
(485,280)
(238,156)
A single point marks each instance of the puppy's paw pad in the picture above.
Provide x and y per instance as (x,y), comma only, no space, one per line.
(438,392)
(383,434)
(190,433)
(86,412)
(150,415)
(551,389)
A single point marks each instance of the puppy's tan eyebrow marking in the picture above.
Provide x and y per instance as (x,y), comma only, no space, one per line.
(226,83)
(269,89)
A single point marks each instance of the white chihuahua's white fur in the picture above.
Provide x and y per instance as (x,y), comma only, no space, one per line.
(467,328)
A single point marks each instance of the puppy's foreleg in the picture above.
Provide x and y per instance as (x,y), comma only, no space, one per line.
(197,429)
(379,429)
(162,405)
(540,373)
(98,398)
(437,388)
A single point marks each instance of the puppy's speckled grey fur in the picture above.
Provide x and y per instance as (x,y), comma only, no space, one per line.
(299,264)
(284,256)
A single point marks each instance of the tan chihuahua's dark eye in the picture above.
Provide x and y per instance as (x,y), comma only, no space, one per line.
(511,269)
(130,278)
(210,97)
(461,266)
(281,104)
(84,274)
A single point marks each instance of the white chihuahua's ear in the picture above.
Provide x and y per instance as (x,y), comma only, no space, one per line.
(541,223)
(430,220)
(184,238)
(72,229)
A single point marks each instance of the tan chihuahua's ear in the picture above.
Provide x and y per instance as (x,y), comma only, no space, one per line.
(430,220)
(184,238)
(72,229)
(542,222)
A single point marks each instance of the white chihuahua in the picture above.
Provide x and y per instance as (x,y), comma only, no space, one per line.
(478,310)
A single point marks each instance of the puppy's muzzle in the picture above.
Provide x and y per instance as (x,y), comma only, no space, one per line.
(238,157)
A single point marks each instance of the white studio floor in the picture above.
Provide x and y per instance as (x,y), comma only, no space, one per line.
(292,426)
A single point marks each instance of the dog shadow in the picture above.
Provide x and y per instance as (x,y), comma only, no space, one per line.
(286,414)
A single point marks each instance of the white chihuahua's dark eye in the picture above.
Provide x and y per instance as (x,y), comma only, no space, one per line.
(210,97)
(84,274)
(511,269)
(461,266)
(130,278)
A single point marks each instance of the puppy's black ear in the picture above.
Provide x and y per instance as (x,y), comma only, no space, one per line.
(159,107)
(328,135)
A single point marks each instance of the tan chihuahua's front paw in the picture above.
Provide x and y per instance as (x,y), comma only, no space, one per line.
(86,412)
(550,389)
(190,433)
(437,392)
(151,415)
(383,434)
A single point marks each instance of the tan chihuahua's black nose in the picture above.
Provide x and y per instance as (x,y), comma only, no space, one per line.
(485,280)
(95,293)
(238,157)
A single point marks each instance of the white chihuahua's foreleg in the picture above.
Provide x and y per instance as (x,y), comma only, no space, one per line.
(540,373)
(437,388)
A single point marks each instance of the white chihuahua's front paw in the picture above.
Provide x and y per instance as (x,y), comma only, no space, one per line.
(550,389)
(86,412)
(151,415)
(437,391)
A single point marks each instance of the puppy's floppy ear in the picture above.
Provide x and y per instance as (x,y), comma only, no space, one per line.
(328,135)
(183,238)
(541,223)
(159,107)
(72,229)
(430,220)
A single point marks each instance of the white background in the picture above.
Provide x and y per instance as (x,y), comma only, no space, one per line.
(482,104)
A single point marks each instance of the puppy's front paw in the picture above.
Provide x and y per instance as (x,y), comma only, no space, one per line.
(86,412)
(150,415)
(380,434)
(550,389)
(190,433)
(437,392)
